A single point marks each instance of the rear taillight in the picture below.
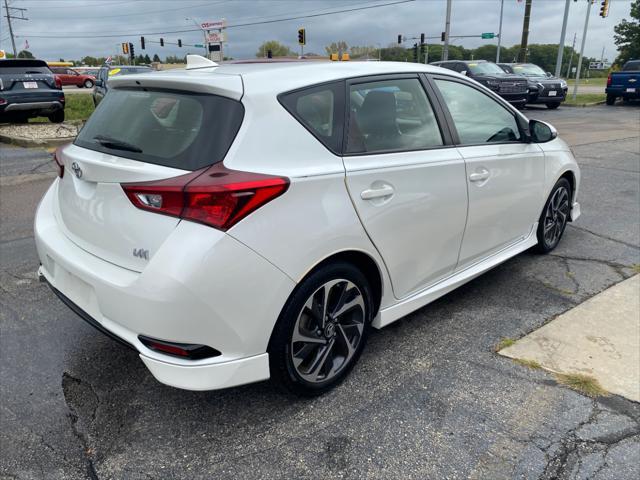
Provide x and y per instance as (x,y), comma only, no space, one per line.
(609,80)
(215,196)
(58,161)
(57,81)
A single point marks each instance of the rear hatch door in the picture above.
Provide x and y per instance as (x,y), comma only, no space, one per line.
(137,135)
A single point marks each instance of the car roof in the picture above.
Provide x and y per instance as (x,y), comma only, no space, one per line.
(275,76)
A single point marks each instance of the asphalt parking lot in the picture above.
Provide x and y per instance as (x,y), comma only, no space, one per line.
(428,399)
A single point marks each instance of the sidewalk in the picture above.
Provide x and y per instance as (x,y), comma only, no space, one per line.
(600,338)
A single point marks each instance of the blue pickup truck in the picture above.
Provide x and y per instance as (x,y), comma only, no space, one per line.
(625,84)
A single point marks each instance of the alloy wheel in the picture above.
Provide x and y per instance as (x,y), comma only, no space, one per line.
(556,216)
(328,330)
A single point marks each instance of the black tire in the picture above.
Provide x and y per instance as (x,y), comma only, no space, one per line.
(281,345)
(57,116)
(545,243)
(88,83)
(611,99)
(553,105)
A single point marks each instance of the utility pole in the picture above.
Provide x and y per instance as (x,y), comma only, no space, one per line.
(9,17)
(562,35)
(573,49)
(522,56)
(500,32)
(447,28)
(584,39)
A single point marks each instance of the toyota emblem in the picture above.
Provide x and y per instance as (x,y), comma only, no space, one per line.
(76,169)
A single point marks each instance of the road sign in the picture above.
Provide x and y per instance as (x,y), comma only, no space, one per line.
(199,45)
(3,54)
(488,35)
(599,65)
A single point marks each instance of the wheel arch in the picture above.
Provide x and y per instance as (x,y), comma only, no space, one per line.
(365,263)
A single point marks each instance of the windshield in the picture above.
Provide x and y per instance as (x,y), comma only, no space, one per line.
(528,69)
(486,68)
(175,129)
(632,66)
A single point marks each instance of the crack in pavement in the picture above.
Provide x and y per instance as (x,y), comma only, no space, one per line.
(605,237)
(73,390)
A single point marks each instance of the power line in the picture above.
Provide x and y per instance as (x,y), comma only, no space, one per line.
(238,25)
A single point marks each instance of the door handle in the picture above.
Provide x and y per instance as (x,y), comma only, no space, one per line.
(371,193)
(479,176)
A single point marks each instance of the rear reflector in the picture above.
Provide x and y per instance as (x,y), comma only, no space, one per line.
(58,161)
(216,196)
(190,351)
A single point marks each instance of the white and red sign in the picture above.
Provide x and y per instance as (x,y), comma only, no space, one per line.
(216,37)
(214,25)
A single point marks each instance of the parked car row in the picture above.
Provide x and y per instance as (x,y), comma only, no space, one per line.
(518,83)
(69,76)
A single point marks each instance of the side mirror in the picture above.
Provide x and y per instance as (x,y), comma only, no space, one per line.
(541,132)
(549,74)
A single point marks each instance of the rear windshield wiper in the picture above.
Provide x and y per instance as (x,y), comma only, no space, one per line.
(116,144)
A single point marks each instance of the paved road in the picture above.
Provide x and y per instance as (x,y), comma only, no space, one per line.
(429,398)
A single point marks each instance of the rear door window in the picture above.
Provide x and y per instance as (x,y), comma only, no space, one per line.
(320,110)
(164,127)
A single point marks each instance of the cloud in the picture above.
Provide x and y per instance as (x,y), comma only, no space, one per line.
(378,26)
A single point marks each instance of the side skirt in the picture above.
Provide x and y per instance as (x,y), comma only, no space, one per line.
(394,312)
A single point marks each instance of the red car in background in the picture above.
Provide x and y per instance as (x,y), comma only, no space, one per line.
(68,76)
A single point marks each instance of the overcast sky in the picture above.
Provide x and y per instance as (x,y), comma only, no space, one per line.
(53,23)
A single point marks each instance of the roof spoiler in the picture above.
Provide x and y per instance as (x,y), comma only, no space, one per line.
(198,61)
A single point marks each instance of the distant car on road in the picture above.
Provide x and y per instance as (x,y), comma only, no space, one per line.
(28,88)
(543,87)
(109,71)
(513,88)
(625,84)
(69,76)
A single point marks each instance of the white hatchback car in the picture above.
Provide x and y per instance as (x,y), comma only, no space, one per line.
(245,221)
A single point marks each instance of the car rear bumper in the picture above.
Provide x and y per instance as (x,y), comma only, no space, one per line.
(50,106)
(202,286)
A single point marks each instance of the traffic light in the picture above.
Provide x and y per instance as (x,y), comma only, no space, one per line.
(604,9)
(415,52)
(422,50)
(162,42)
(142,43)
(421,38)
(180,43)
(131,51)
(302,37)
(399,39)
(442,36)
(125,48)
(269,54)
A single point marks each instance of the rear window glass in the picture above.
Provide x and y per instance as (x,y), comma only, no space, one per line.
(631,66)
(174,129)
(318,109)
(23,66)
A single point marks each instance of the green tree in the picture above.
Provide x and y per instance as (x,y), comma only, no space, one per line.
(25,54)
(147,59)
(277,49)
(627,36)
(156,58)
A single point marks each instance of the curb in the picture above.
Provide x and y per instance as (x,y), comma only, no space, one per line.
(579,105)
(29,142)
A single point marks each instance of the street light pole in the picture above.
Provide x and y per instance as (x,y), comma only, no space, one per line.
(447,27)
(584,39)
(500,32)
(562,35)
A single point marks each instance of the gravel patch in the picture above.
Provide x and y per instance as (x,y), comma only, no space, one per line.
(40,131)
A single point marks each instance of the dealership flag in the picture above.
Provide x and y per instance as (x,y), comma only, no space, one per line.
(26,44)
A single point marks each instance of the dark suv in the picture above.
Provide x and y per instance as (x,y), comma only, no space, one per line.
(543,87)
(109,71)
(28,89)
(513,88)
